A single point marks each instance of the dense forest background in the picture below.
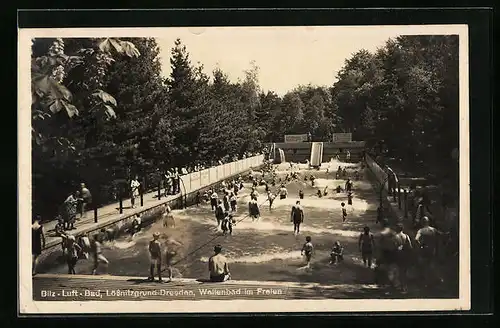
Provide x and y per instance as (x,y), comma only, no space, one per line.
(102,111)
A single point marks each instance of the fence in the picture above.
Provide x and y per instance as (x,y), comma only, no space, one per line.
(198,180)
(445,221)
(399,195)
(191,182)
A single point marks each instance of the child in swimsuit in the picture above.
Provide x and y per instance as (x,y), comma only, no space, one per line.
(337,253)
(307,250)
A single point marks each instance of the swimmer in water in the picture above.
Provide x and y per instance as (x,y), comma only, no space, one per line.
(171,251)
(344,212)
(219,213)
(297,217)
(253,209)
(348,185)
(97,253)
(313,179)
(168,218)
(307,250)
(136,225)
(227,224)
(337,253)
(155,256)
(84,243)
(225,201)
(283,192)
(72,255)
(270,198)
(214,197)
(254,193)
(232,202)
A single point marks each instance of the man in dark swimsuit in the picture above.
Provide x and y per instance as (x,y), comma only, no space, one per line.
(366,245)
(348,185)
(297,217)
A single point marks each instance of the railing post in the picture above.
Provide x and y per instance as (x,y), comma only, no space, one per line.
(394,189)
(121,202)
(399,196)
(141,190)
(406,203)
(159,190)
(95,211)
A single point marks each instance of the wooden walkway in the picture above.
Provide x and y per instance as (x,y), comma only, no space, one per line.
(106,215)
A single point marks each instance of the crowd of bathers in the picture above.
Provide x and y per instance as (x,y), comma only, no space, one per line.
(392,251)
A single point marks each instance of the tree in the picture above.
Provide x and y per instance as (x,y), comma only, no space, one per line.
(292,113)
(405,94)
(269,117)
(67,94)
(187,88)
(49,77)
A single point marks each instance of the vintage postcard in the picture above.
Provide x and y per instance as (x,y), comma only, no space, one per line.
(244,169)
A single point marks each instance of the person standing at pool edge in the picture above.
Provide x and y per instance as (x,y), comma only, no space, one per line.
(134,190)
(86,197)
(37,242)
(366,243)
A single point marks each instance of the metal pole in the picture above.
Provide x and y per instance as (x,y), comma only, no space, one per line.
(121,203)
(399,196)
(141,190)
(393,189)
(406,203)
(185,193)
(382,185)
(159,190)
(95,211)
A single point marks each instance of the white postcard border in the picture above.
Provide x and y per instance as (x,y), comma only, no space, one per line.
(28,306)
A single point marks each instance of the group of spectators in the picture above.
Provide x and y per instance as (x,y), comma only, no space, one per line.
(73,248)
(74,207)
(435,237)
(397,253)
(171,179)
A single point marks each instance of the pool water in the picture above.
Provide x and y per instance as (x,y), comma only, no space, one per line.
(265,249)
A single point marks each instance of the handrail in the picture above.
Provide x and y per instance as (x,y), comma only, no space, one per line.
(185,192)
